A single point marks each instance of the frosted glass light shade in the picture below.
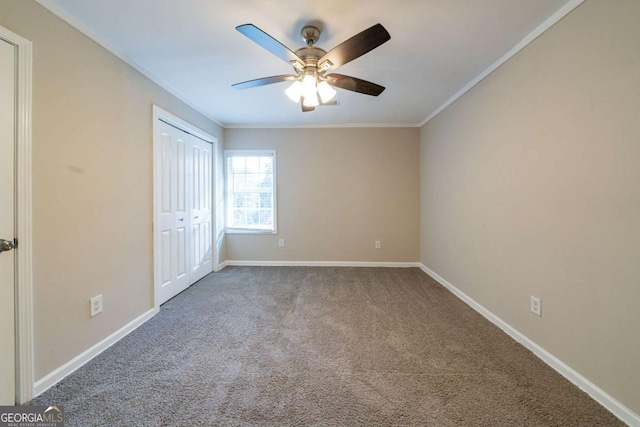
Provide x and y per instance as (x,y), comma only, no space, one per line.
(311,101)
(309,86)
(294,91)
(310,92)
(326,92)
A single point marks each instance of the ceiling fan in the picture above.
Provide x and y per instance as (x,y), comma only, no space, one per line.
(312,86)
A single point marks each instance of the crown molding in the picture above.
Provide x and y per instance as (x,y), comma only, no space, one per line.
(327,126)
(548,23)
(74,22)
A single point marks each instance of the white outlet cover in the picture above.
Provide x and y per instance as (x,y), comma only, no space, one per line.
(536,306)
(96,305)
(281,243)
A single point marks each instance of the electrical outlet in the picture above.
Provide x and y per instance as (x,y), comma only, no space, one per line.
(96,305)
(281,243)
(536,306)
(378,244)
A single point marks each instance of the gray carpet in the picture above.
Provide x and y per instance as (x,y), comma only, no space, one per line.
(296,346)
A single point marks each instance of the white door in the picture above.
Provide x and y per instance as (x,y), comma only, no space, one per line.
(7,222)
(173,211)
(184,206)
(201,234)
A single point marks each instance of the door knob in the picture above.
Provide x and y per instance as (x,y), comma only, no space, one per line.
(6,245)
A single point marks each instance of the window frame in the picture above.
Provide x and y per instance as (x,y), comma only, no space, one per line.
(249,153)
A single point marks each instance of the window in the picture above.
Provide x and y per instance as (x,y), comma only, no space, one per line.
(251,195)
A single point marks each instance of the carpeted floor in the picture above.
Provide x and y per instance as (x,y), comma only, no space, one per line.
(298,346)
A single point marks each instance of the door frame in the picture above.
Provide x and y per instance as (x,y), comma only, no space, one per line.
(23,270)
(159,113)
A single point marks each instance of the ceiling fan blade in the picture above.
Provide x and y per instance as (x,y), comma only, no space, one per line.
(354,84)
(305,108)
(264,81)
(356,46)
(269,43)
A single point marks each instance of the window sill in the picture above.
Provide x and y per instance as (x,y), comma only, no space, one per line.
(248,231)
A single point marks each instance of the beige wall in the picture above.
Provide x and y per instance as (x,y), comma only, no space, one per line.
(531,186)
(92,162)
(339,190)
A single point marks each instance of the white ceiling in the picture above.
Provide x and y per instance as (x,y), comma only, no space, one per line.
(436,48)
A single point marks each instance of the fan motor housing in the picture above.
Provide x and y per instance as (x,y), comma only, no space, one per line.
(310,53)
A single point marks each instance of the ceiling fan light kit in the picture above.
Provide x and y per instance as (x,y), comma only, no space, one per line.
(308,90)
(312,86)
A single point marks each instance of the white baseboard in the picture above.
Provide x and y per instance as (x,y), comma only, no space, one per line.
(321,264)
(222,265)
(614,406)
(57,375)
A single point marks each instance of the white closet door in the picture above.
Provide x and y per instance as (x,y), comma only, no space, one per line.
(201,233)
(184,207)
(7,232)
(173,211)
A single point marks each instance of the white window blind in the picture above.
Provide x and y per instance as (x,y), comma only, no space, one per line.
(251,198)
